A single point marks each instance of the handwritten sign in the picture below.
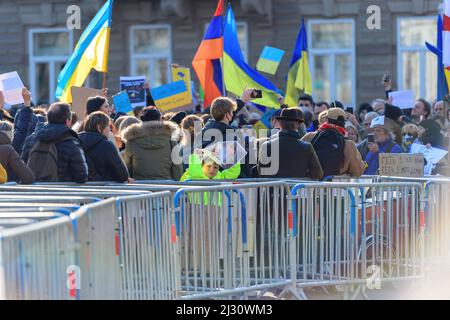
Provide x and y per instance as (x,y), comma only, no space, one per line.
(172,97)
(401,164)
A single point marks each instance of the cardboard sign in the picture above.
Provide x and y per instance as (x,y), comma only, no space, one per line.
(80,95)
(135,86)
(122,102)
(401,164)
(172,97)
(11,85)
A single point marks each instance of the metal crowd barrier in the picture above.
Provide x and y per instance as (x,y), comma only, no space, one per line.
(345,232)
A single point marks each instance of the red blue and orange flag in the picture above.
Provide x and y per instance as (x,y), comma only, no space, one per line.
(207,61)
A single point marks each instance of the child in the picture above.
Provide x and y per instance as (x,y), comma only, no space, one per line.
(208,168)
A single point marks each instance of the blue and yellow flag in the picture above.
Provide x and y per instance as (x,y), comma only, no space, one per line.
(90,53)
(299,76)
(237,73)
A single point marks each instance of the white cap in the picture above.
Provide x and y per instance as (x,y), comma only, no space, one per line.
(377,122)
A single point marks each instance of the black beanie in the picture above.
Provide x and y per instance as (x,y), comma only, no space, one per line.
(94,104)
(151,115)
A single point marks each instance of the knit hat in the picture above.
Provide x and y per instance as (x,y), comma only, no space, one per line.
(178,117)
(94,104)
(392,112)
(151,114)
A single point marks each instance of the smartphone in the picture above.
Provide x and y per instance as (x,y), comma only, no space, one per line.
(387,77)
(371,138)
(257,94)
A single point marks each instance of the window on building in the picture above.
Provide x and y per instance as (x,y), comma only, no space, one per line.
(151,53)
(417,69)
(49,50)
(242,31)
(332,60)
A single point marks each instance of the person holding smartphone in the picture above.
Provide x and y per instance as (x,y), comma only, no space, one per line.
(380,141)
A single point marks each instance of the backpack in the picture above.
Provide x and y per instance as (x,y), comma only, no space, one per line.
(329,146)
(43,160)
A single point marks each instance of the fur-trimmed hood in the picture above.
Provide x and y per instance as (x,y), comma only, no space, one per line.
(151,128)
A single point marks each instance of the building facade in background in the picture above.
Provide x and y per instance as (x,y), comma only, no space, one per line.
(347,59)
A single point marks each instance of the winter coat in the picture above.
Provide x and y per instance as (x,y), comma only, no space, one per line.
(148,151)
(103,158)
(72,166)
(353,163)
(25,123)
(10,160)
(294,159)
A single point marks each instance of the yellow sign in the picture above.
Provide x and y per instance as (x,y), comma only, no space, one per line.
(181,73)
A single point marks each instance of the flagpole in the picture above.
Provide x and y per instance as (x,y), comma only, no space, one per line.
(105,73)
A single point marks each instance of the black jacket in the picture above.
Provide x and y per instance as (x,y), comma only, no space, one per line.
(103,158)
(208,132)
(72,166)
(25,123)
(294,159)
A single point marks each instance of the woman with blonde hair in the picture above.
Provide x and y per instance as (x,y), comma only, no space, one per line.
(410,133)
(352,132)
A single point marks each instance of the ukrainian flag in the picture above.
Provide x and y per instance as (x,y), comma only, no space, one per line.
(299,76)
(90,53)
(238,74)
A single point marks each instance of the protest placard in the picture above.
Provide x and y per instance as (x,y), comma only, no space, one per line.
(401,164)
(80,95)
(172,97)
(135,87)
(182,73)
(122,102)
(432,155)
(403,99)
(11,85)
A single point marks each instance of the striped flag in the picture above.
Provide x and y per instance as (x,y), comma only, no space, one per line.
(299,76)
(446,41)
(206,63)
(90,53)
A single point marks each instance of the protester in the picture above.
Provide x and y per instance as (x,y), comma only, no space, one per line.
(352,133)
(307,101)
(378,106)
(190,137)
(25,121)
(98,103)
(17,170)
(336,154)
(384,143)
(364,108)
(69,163)
(318,109)
(410,134)
(439,109)
(204,165)
(178,117)
(323,117)
(363,145)
(295,158)
(421,111)
(103,158)
(148,151)
(151,114)
(430,134)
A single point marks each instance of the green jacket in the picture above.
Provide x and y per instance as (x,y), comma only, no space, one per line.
(195,171)
(148,151)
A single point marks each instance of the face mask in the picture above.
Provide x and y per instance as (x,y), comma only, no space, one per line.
(407,139)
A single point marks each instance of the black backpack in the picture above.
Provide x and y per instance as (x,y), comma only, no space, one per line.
(43,160)
(329,146)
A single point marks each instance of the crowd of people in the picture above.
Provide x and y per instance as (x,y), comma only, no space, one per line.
(312,140)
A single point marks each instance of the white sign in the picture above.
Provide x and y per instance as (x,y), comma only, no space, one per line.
(432,155)
(11,85)
(403,99)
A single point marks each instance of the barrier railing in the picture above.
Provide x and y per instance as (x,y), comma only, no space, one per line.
(346,232)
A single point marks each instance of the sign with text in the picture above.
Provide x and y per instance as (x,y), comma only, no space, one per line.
(401,164)
(135,86)
(172,97)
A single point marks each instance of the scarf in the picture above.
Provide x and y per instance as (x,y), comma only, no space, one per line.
(329,126)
